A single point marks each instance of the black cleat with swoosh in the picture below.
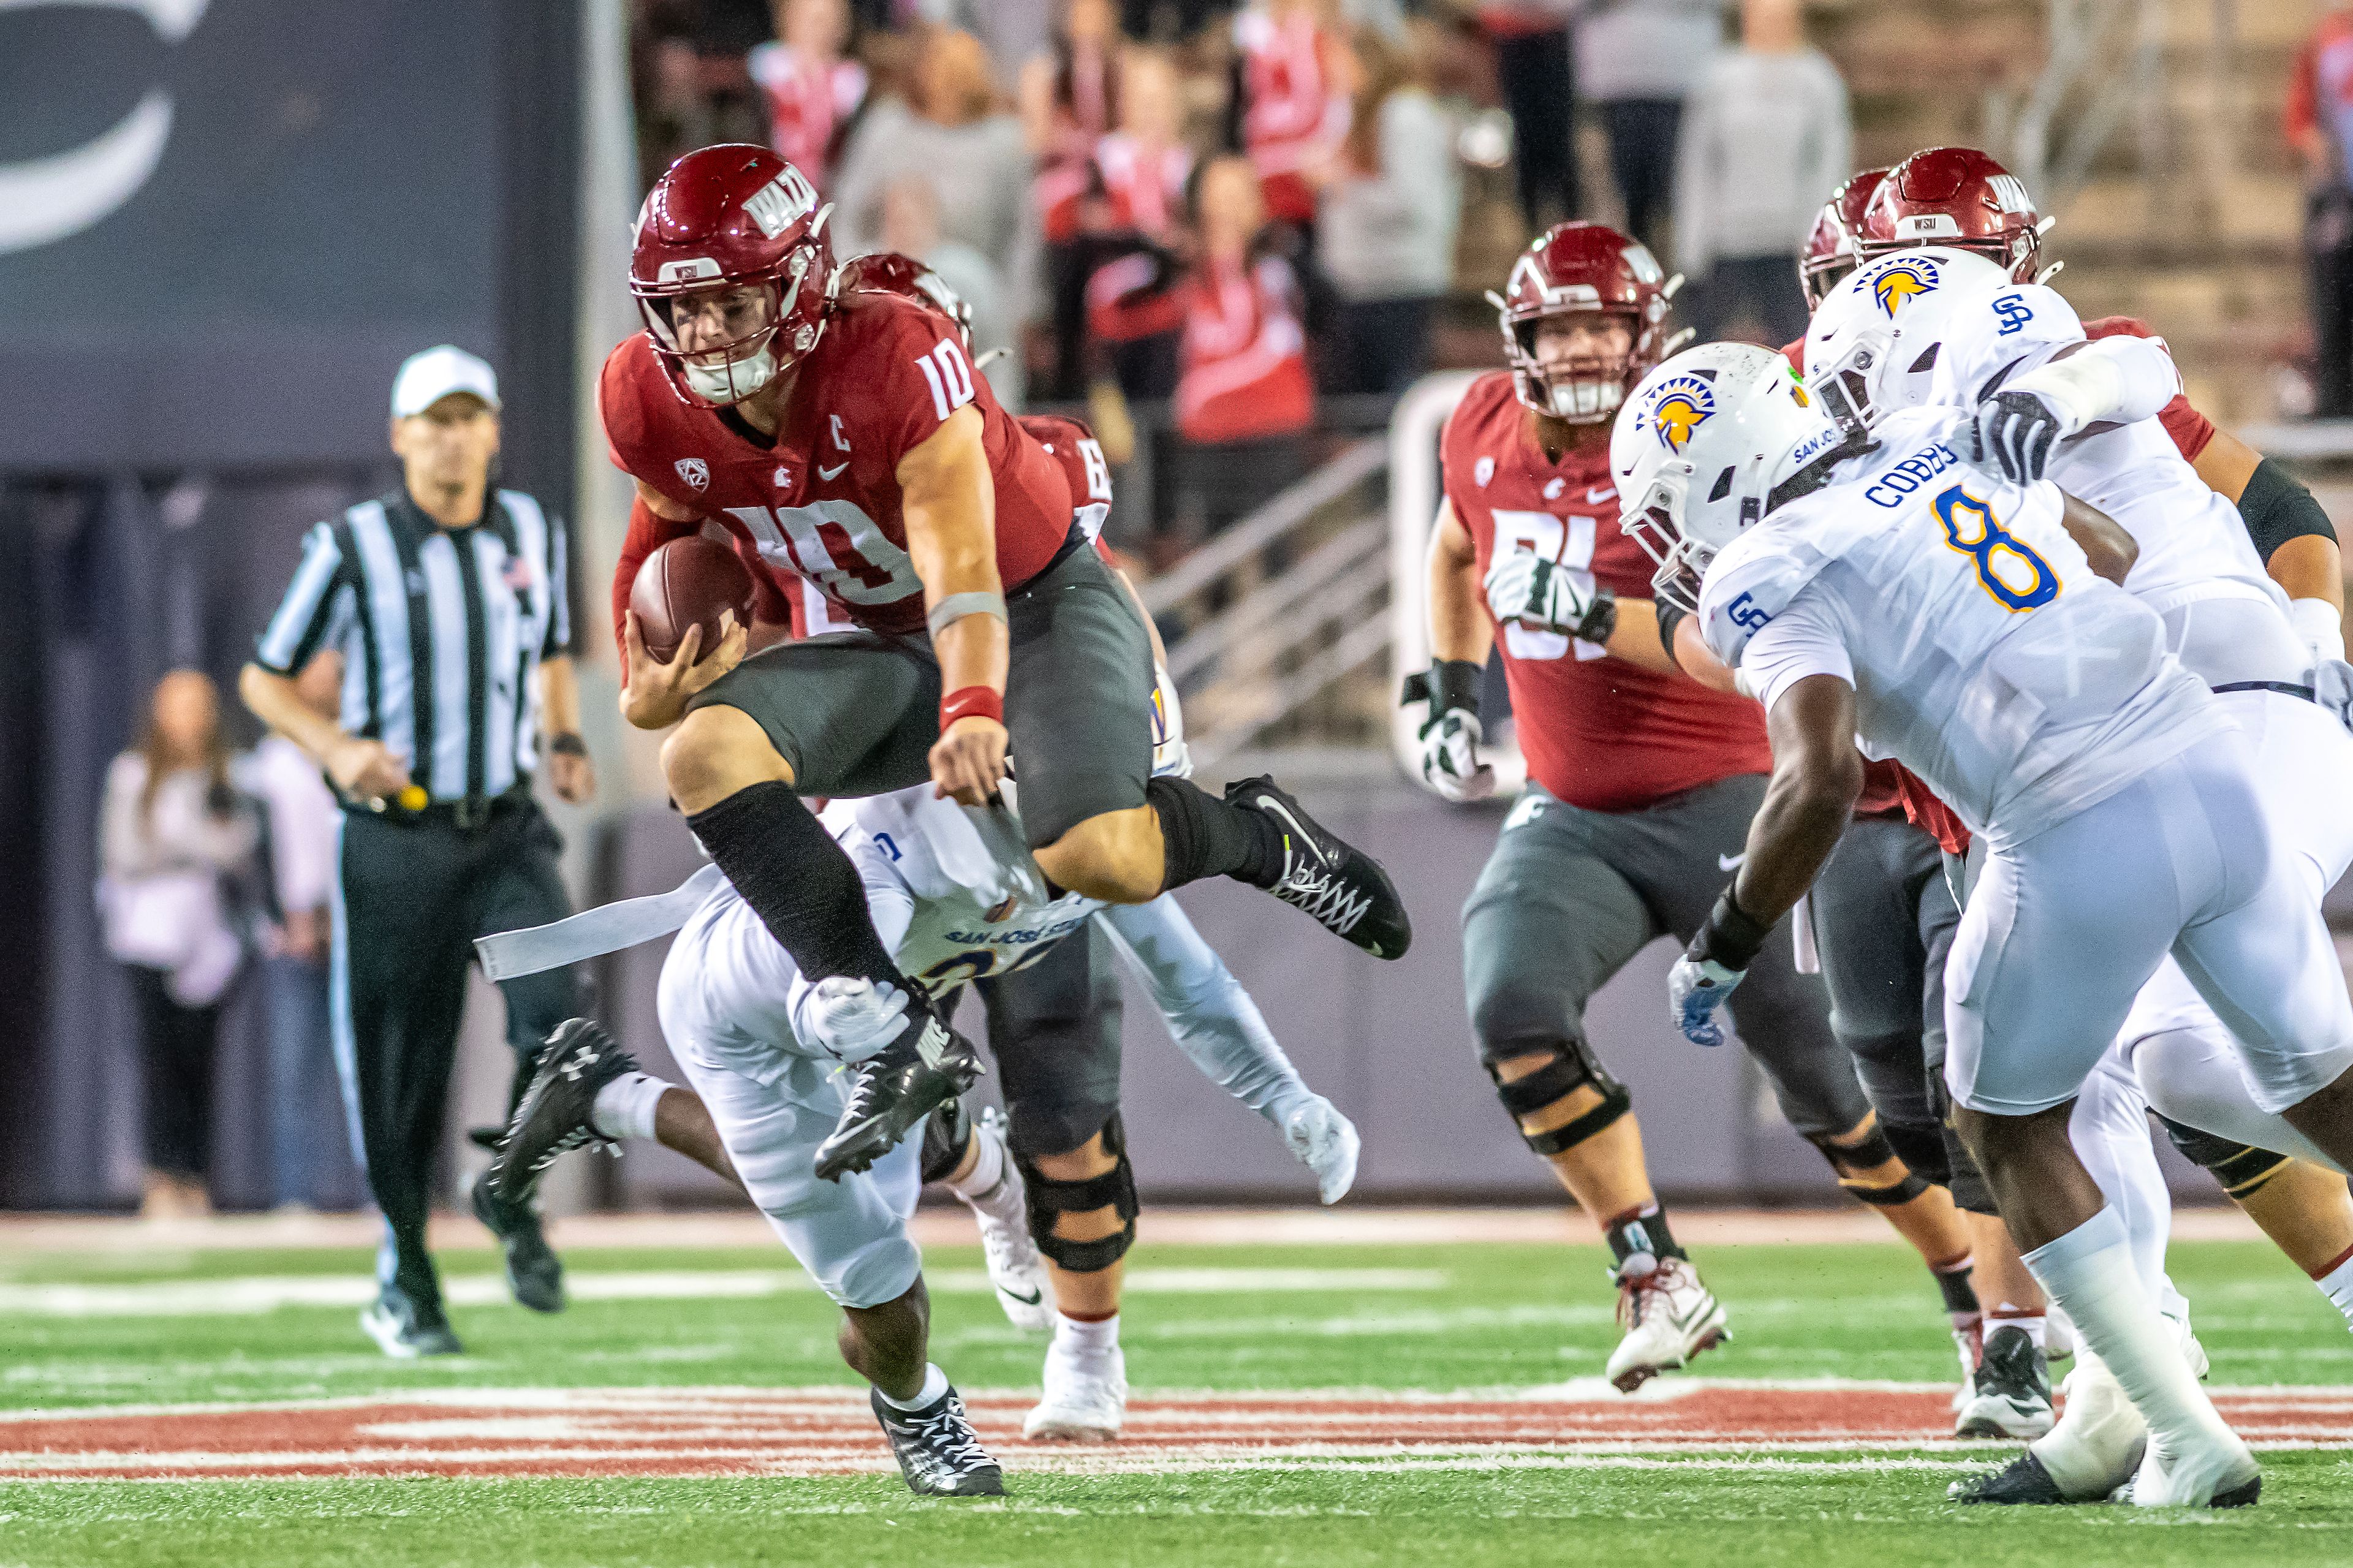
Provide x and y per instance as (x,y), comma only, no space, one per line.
(1344,888)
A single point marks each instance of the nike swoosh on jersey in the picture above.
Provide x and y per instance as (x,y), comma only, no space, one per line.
(1595,497)
(1730,862)
(825,473)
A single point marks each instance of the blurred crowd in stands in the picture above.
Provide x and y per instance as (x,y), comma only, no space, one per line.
(1223,226)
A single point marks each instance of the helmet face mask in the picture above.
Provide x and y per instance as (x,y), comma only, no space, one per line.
(1830,254)
(1579,395)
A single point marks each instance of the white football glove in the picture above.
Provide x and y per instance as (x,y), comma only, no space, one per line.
(1450,757)
(2014,432)
(2332,687)
(847,1019)
(1525,587)
(1695,991)
(1324,1142)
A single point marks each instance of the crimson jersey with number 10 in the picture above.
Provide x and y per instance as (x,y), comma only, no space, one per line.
(1598,732)
(822,503)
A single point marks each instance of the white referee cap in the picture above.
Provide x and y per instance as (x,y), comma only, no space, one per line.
(426,378)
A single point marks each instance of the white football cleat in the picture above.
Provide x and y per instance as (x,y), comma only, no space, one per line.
(2220,1473)
(1024,1289)
(1669,1317)
(1086,1397)
(1326,1142)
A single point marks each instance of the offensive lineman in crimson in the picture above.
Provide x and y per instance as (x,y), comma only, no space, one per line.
(844,436)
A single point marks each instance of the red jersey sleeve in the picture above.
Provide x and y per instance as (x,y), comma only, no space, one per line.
(1931,816)
(647,532)
(629,439)
(2191,430)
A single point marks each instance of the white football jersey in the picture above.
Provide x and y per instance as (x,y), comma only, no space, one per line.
(2198,569)
(980,904)
(1985,654)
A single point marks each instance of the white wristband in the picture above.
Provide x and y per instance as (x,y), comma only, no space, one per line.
(2320,625)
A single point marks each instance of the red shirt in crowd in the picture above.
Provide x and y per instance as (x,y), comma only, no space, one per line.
(2320,92)
(1292,117)
(1597,731)
(821,503)
(810,102)
(1243,363)
(1142,191)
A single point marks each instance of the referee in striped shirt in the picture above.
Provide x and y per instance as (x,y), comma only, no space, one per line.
(446,600)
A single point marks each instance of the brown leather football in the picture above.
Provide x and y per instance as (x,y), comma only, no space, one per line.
(689,583)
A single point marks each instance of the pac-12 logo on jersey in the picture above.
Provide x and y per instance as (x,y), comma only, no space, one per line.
(695,472)
(1902,283)
(1681,406)
(1482,470)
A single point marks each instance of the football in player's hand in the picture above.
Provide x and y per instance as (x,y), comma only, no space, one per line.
(689,583)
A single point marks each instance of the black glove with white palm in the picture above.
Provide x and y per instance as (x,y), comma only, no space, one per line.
(1451,736)
(1523,587)
(2014,432)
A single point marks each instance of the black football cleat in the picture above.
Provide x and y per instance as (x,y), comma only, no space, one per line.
(937,1450)
(2010,1397)
(1344,888)
(557,1110)
(899,1085)
(534,1273)
(405,1328)
(2024,1481)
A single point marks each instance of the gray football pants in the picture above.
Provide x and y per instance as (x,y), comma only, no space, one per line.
(1570,895)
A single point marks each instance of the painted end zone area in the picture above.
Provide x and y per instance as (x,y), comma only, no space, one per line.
(718,1432)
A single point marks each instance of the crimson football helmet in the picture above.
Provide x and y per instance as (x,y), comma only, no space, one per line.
(1584,267)
(888,272)
(1830,253)
(1960,197)
(741,229)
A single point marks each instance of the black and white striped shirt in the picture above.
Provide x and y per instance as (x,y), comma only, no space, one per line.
(441,630)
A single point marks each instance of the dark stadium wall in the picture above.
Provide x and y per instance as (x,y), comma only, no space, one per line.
(194,375)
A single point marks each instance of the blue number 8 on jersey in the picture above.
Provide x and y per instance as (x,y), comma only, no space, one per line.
(1993,542)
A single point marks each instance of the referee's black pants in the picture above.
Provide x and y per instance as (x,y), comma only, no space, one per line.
(415,894)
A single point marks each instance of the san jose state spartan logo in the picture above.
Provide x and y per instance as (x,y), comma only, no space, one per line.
(1902,283)
(1681,406)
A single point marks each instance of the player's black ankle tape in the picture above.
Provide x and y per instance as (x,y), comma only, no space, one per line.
(1643,1231)
(1204,837)
(1958,1287)
(797,879)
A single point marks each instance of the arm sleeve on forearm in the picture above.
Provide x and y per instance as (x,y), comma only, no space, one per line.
(2277,508)
(2115,380)
(1212,1017)
(647,532)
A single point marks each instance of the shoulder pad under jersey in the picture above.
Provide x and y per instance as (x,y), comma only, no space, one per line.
(2005,330)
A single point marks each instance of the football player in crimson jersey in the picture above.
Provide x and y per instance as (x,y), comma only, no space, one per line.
(847,436)
(1641,784)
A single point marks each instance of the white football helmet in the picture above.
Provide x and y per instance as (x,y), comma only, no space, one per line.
(1698,449)
(1871,348)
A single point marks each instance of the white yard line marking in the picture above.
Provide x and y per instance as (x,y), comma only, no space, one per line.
(268,1293)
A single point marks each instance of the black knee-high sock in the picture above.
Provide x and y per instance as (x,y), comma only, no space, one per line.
(1204,836)
(797,879)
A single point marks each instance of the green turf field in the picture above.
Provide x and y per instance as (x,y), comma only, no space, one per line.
(1198,1319)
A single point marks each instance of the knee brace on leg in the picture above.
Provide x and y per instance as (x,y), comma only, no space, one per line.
(1113,1190)
(2239,1167)
(1573,1067)
(948,1132)
(1857,1166)
(1921,1148)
